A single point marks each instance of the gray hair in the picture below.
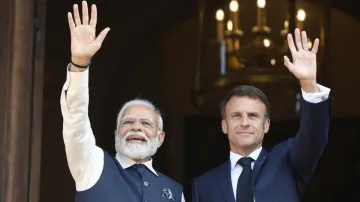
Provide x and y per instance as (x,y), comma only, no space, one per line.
(141,102)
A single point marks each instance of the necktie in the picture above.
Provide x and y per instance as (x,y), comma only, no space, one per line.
(244,192)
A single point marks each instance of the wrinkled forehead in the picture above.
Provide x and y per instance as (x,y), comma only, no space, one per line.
(139,111)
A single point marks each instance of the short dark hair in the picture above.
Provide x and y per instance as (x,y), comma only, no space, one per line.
(245,91)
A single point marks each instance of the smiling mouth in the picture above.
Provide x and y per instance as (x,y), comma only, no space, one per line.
(245,133)
(136,139)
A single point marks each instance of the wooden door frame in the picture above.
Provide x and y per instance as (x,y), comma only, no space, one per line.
(22,40)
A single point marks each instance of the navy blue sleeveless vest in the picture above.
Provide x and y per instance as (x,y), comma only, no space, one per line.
(134,184)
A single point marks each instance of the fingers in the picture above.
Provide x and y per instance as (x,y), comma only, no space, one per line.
(304,40)
(102,36)
(71,22)
(76,15)
(288,64)
(301,41)
(93,20)
(85,13)
(291,43)
(298,39)
(315,46)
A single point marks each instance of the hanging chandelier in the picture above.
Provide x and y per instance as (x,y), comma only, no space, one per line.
(244,41)
(260,51)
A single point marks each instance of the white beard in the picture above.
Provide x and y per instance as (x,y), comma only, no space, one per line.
(135,150)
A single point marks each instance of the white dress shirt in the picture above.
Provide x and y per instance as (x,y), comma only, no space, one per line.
(85,159)
(236,169)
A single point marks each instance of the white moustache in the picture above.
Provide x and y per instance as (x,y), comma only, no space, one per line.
(136,150)
(139,134)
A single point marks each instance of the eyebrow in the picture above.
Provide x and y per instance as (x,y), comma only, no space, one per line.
(254,113)
(250,113)
(133,117)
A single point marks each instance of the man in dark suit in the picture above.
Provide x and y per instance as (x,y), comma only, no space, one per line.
(281,174)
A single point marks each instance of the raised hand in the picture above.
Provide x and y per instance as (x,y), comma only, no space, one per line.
(84,43)
(303,65)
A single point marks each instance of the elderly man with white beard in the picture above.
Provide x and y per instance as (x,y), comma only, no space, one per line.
(98,176)
(132,142)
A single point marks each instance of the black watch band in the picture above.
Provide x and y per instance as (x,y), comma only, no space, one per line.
(81,66)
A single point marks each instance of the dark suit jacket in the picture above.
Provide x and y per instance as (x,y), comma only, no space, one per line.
(281,174)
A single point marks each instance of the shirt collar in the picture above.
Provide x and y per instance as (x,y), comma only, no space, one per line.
(126,162)
(234,157)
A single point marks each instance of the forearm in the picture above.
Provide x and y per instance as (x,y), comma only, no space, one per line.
(315,115)
(314,124)
(81,149)
(307,147)
(74,107)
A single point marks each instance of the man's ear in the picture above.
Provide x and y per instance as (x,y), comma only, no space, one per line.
(161,138)
(266,126)
(224,127)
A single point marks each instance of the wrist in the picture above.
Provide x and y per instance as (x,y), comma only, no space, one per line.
(79,64)
(309,86)
(82,61)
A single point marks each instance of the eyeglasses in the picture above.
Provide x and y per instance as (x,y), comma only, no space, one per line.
(131,121)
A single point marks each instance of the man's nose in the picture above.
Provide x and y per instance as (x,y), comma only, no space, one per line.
(136,126)
(244,122)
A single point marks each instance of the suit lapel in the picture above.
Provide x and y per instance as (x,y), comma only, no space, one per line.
(224,178)
(258,165)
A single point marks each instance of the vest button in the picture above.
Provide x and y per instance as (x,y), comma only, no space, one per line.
(146,184)
(140,170)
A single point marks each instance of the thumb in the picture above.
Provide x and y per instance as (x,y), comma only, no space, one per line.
(288,64)
(100,38)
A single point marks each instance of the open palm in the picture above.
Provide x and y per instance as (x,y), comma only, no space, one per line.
(303,65)
(84,43)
